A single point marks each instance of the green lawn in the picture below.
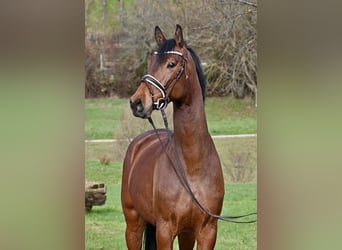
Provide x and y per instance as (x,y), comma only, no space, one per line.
(225,116)
(105,225)
(102,117)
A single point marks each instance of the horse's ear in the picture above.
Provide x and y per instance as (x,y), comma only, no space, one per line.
(159,36)
(179,36)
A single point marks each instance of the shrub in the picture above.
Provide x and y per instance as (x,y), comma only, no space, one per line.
(223,33)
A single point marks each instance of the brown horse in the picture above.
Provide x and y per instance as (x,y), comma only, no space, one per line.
(154,198)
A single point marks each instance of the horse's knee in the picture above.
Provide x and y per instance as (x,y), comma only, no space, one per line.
(134,229)
(134,236)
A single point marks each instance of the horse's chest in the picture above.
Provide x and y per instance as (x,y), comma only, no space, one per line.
(171,193)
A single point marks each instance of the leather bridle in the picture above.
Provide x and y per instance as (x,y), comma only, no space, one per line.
(164,89)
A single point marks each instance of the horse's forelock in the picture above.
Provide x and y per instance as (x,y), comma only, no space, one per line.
(168,45)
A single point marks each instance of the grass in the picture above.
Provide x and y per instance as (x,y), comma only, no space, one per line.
(105,225)
(224,115)
(102,117)
(106,118)
(233,152)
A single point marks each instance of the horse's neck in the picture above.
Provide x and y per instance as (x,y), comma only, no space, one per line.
(191,134)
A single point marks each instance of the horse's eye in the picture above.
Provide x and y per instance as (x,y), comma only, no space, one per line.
(170,65)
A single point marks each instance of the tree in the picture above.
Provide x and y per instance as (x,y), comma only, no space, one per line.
(222,32)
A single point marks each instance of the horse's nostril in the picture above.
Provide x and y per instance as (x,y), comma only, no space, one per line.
(137,105)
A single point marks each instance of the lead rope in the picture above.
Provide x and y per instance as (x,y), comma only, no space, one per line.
(181,175)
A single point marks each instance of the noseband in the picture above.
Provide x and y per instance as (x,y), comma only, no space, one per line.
(165,90)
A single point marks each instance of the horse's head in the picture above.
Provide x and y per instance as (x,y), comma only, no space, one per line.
(165,78)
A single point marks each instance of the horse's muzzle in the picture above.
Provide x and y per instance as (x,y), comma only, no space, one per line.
(138,109)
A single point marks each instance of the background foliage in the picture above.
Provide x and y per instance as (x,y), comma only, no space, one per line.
(119,38)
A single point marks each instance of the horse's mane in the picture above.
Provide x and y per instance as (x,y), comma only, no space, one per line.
(169,45)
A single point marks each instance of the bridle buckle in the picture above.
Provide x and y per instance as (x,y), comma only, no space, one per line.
(161,104)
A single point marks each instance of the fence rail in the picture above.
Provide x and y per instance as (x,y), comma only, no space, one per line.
(213,136)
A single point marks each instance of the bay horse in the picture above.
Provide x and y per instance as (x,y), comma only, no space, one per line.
(154,198)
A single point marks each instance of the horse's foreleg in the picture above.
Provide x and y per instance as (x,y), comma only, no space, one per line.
(206,238)
(134,229)
(164,236)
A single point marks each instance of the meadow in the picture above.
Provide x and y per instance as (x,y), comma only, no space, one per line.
(224,115)
(111,118)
